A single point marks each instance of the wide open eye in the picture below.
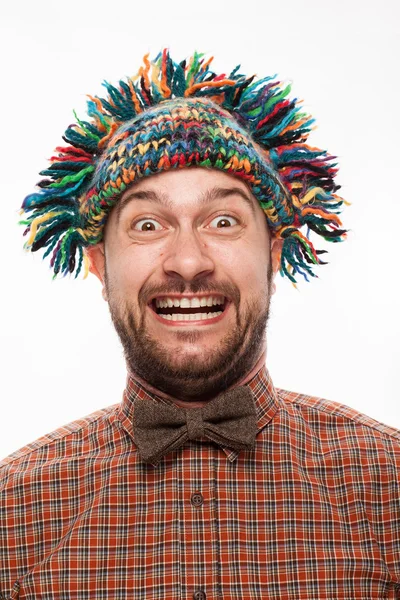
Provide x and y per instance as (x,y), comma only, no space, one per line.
(223,221)
(146,225)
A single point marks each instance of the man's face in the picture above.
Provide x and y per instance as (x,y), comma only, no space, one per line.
(187,237)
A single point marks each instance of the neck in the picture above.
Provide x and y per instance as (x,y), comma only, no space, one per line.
(194,404)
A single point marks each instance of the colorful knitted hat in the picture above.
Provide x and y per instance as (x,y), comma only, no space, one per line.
(174,115)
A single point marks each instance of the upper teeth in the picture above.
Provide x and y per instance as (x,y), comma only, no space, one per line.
(188,302)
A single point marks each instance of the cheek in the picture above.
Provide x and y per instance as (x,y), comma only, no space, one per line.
(254,279)
(247,263)
(130,268)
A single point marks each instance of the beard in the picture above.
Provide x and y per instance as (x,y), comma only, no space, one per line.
(191,377)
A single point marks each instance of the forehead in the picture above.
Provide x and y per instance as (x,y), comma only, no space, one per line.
(197,186)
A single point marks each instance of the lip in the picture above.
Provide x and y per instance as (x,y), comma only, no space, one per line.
(197,323)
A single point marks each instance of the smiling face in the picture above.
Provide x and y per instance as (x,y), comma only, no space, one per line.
(187,265)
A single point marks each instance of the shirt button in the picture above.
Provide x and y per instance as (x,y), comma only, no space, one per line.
(199,595)
(197,500)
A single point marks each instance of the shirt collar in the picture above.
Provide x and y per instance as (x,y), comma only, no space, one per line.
(266,401)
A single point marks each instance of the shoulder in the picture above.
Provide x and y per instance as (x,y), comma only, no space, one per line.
(335,416)
(46,483)
(339,425)
(342,435)
(70,440)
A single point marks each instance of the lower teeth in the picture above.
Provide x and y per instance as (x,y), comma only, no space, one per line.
(191,317)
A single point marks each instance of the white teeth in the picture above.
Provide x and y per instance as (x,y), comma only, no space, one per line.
(192,317)
(218,301)
(214,314)
(188,302)
(185,303)
(195,303)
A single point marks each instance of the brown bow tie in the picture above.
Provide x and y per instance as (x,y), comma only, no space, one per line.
(230,419)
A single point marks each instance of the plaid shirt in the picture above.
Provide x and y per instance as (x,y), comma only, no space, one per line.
(313,512)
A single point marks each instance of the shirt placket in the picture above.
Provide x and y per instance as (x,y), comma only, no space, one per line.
(199,556)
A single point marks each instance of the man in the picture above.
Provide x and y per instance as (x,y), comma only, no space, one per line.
(185,194)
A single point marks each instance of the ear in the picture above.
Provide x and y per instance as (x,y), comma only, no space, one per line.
(96,256)
(276,251)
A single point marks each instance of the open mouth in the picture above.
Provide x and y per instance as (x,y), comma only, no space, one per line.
(199,308)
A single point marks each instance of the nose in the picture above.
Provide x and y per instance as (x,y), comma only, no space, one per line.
(188,257)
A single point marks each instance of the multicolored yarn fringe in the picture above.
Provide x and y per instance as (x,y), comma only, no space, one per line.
(177,115)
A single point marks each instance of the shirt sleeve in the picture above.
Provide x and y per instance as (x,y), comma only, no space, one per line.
(9,584)
(389,501)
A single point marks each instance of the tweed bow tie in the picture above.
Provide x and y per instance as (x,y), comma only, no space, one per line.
(229,419)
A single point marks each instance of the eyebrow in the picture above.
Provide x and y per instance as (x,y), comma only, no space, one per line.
(215,193)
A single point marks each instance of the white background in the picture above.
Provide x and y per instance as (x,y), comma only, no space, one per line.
(335,337)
